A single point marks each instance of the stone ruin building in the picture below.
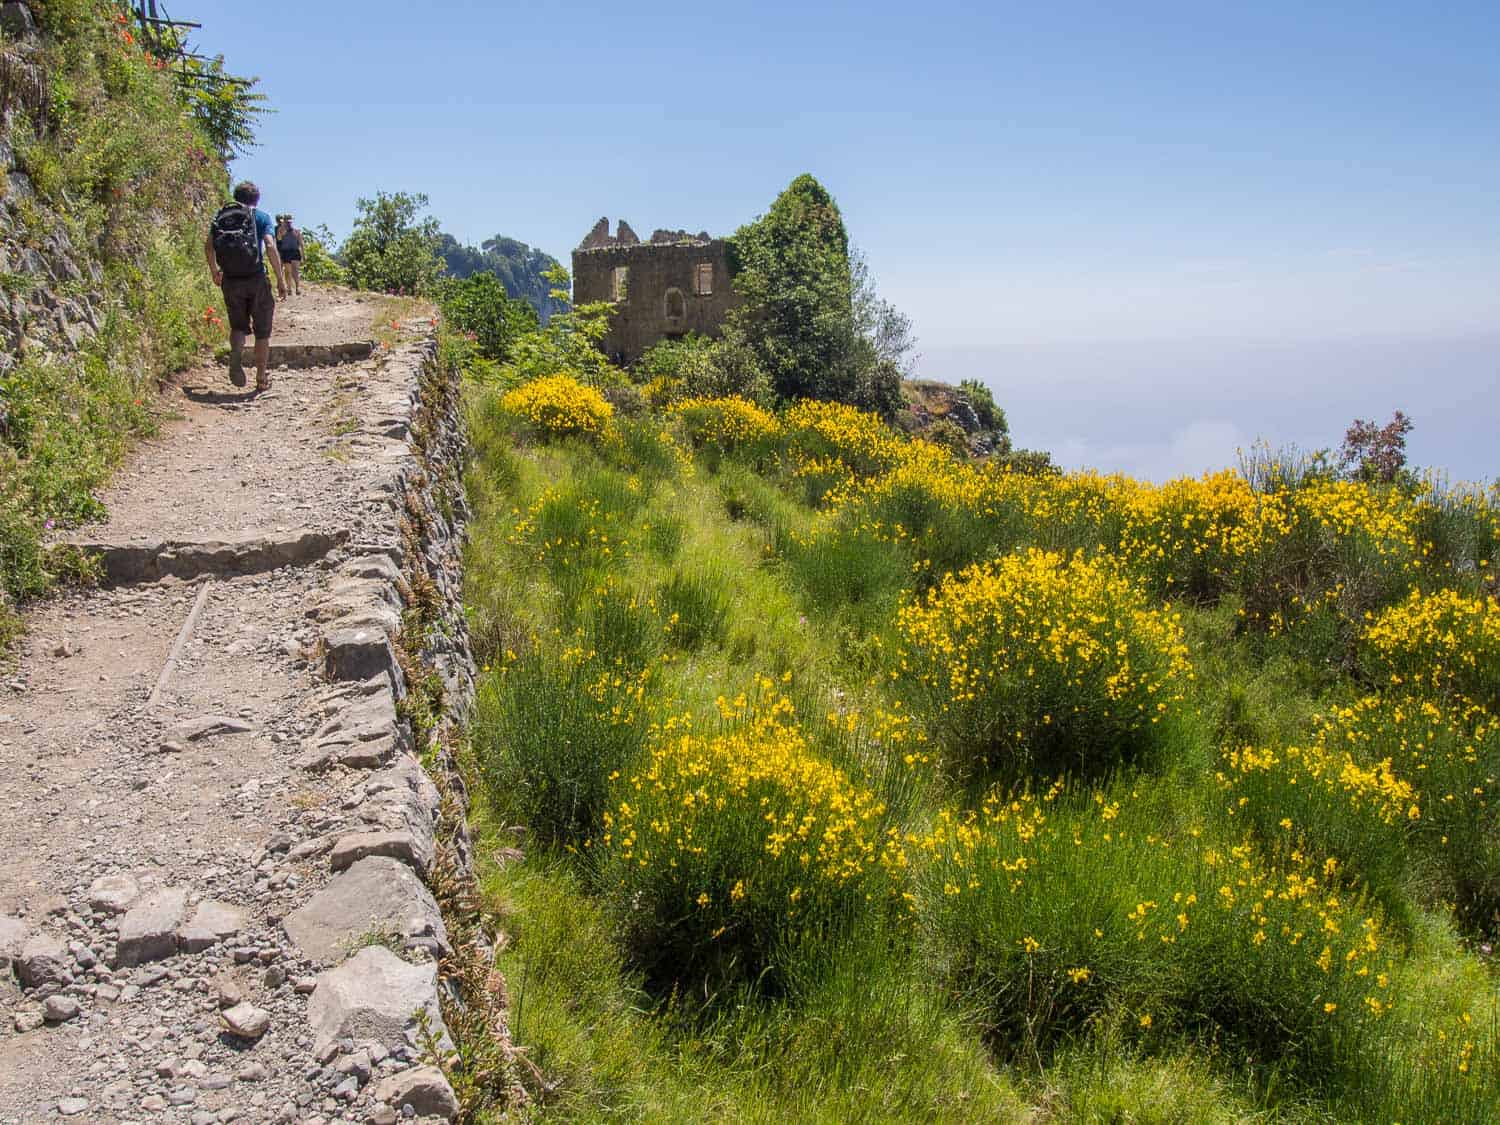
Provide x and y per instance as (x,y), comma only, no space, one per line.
(672,285)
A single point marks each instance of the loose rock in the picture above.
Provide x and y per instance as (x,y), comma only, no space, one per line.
(423,1089)
(60,1009)
(246,1020)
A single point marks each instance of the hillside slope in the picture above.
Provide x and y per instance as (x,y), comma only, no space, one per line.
(106,184)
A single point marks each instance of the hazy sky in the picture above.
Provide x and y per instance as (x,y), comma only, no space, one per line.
(1158,230)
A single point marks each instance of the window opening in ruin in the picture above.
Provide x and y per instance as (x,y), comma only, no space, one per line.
(621,282)
(674,308)
(703,279)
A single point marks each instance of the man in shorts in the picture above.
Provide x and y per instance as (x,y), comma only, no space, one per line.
(238,268)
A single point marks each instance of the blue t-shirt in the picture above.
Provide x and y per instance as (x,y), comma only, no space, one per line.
(263,228)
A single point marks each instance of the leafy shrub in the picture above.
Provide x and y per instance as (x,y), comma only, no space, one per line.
(390,250)
(1375,454)
(647,447)
(698,367)
(934,506)
(1048,912)
(1444,643)
(844,566)
(1042,663)
(549,731)
(318,262)
(947,434)
(621,626)
(833,429)
(1327,545)
(1192,537)
(559,405)
(479,307)
(726,856)
(1459,528)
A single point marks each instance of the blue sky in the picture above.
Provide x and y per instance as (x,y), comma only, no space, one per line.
(1157,230)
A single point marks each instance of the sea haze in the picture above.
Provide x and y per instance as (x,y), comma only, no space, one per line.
(1160,410)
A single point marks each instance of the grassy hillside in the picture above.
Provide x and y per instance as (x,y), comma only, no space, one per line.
(833,778)
(111,185)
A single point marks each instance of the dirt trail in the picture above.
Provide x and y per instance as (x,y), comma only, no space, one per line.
(202,793)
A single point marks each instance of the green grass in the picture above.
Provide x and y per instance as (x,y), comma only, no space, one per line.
(619,595)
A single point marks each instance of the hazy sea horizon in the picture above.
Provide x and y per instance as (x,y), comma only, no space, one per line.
(1161,410)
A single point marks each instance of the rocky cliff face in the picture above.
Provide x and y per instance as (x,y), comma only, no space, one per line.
(929,405)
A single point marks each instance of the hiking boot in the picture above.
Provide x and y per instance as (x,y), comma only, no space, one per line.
(236,368)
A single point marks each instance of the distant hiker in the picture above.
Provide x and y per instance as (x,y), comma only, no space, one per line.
(289,245)
(239,240)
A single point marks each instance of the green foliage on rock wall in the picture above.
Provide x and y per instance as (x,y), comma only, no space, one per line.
(102,225)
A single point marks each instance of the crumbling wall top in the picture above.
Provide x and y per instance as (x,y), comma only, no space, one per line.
(599,237)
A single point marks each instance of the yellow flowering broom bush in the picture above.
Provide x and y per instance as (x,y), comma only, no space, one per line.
(559,405)
(1192,538)
(727,855)
(1444,643)
(832,429)
(1042,663)
(1047,910)
(1390,791)
(728,425)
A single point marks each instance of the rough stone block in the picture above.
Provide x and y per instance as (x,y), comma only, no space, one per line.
(375,895)
(43,963)
(423,1088)
(356,755)
(408,848)
(212,923)
(357,653)
(148,932)
(113,894)
(374,997)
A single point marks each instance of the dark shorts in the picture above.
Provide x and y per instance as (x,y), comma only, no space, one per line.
(290,255)
(249,301)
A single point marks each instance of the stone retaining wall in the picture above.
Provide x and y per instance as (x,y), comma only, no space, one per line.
(394,643)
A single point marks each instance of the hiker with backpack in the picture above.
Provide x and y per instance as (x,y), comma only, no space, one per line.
(289,246)
(239,240)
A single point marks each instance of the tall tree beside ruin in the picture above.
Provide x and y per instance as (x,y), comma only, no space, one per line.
(791,266)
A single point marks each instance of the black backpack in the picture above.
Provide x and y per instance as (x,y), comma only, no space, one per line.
(236,239)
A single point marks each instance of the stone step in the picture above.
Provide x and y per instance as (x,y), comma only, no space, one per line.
(307,355)
(124,564)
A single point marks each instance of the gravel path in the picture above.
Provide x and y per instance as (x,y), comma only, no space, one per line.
(195,807)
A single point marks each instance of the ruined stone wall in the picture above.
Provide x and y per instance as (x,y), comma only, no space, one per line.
(660,295)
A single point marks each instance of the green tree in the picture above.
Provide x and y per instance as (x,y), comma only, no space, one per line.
(569,342)
(810,316)
(391,249)
(791,267)
(522,269)
(227,109)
